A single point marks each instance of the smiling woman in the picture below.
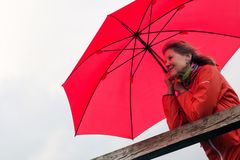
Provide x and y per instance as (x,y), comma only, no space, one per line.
(180,60)
(197,89)
(176,62)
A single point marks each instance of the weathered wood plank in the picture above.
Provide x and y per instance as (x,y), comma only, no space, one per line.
(184,136)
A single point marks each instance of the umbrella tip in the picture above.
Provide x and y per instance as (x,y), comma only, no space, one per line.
(75,134)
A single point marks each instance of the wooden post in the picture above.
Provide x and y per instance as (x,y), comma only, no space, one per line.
(181,137)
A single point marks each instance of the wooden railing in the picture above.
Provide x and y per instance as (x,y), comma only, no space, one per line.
(181,137)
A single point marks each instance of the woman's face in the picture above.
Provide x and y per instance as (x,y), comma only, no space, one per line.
(175,62)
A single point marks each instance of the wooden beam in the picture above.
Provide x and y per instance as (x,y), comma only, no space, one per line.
(181,137)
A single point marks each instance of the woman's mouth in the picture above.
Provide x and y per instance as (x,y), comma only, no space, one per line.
(170,68)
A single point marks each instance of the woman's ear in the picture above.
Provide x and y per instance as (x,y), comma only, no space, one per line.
(188,58)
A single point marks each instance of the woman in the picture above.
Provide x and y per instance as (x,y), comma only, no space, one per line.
(197,89)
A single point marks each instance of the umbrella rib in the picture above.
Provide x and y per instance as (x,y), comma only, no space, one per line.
(124,25)
(99,50)
(109,50)
(166,14)
(149,28)
(78,65)
(202,31)
(165,25)
(139,62)
(124,62)
(98,85)
(144,16)
(130,87)
(165,39)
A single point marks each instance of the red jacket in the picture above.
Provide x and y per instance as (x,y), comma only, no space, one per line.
(208,93)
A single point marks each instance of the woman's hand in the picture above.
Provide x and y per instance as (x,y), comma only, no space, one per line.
(169,83)
(173,85)
(178,87)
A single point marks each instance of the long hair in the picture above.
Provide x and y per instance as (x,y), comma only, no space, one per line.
(184,48)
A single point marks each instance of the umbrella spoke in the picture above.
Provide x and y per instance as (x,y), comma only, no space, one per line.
(115,42)
(124,25)
(201,31)
(125,62)
(164,15)
(98,51)
(132,58)
(188,31)
(149,28)
(111,50)
(101,49)
(165,25)
(139,62)
(144,16)
(130,89)
(165,39)
(148,35)
(104,75)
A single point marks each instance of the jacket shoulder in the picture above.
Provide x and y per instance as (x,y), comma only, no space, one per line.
(208,68)
(207,72)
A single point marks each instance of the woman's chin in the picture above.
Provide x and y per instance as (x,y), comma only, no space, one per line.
(172,75)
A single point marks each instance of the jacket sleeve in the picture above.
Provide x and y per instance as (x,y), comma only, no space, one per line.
(173,112)
(202,99)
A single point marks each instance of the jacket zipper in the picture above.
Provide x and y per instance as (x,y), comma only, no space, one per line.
(214,148)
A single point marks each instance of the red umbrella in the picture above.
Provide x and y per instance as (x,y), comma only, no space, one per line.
(117,85)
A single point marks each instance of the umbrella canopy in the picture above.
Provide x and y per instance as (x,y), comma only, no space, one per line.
(117,85)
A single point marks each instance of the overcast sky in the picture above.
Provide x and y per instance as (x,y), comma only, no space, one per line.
(40,43)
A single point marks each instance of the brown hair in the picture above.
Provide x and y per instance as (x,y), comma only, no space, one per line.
(184,48)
